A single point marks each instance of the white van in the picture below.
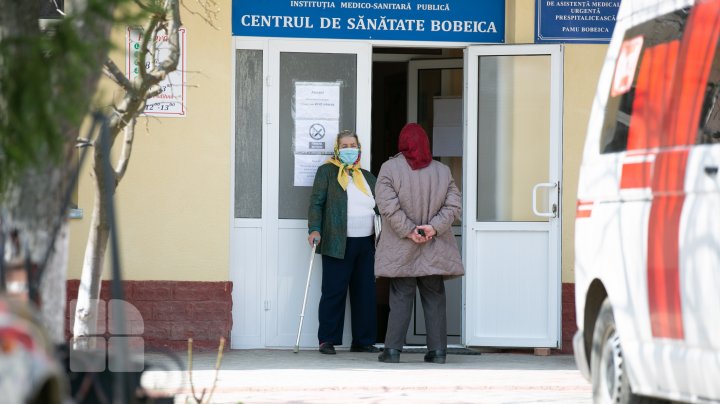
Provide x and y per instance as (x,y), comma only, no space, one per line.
(647,232)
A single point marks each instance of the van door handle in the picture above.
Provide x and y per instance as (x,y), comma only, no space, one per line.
(711,170)
(549,185)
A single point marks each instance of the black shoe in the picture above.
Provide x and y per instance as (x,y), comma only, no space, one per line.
(364,348)
(327,348)
(437,356)
(389,355)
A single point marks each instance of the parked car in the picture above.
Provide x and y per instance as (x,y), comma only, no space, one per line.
(647,229)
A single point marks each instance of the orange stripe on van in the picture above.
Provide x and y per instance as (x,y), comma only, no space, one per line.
(584,209)
(636,175)
(663,263)
(679,128)
(652,93)
(694,62)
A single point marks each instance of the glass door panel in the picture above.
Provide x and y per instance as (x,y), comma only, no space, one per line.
(321,71)
(513,128)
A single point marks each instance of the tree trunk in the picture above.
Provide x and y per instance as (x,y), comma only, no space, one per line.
(86,311)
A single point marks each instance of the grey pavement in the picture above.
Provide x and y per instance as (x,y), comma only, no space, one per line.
(281,376)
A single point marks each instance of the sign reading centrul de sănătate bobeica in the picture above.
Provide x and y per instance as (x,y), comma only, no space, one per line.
(424,20)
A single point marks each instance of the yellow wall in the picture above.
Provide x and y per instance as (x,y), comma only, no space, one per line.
(582,70)
(530,113)
(519,21)
(174,202)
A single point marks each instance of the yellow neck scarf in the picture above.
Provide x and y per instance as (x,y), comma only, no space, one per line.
(343,177)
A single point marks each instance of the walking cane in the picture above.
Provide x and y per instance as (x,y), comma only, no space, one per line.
(307,286)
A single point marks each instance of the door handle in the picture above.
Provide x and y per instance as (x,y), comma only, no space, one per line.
(711,170)
(549,185)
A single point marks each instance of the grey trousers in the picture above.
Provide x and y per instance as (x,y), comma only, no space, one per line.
(402,297)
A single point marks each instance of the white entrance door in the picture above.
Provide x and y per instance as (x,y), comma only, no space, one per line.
(284,96)
(511,217)
(297,71)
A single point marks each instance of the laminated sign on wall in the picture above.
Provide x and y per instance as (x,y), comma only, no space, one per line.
(171,100)
(317,122)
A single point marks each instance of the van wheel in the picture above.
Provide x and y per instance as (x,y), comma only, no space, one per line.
(610,382)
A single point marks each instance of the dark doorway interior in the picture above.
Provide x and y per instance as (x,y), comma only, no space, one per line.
(389,109)
(390,86)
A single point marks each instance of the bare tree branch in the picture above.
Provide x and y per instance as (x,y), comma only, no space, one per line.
(148,35)
(142,5)
(154,90)
(113,72)
(126,150)
(146,84)
(170,64)
(57,8)
(153,51)
(210,8)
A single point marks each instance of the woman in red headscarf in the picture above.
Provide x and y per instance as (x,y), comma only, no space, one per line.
(419,202)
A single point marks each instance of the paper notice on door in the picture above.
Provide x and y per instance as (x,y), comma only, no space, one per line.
(315,136)
(317,122)
(306,166)
(317,116)
(317,100)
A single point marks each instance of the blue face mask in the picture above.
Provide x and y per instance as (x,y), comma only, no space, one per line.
(348,156)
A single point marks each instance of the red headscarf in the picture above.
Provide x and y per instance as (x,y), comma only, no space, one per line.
(415,146)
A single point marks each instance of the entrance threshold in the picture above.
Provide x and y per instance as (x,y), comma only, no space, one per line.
(452,349)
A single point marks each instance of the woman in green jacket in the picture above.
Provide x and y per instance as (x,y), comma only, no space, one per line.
(341,218)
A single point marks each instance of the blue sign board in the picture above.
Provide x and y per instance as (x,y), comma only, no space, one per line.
(572,21)
(414,20)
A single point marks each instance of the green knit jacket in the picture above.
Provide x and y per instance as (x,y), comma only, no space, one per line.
(328,210)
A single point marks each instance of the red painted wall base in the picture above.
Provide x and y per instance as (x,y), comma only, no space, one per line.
(568,317)
(173,311)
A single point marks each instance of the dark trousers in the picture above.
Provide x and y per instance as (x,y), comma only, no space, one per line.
(402,297)
(356,272)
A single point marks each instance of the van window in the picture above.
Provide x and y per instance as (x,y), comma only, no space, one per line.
(655,60)
(709,128)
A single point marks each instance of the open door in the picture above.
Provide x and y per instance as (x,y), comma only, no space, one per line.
(511,220)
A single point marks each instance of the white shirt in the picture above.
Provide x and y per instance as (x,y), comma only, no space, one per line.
(360,210)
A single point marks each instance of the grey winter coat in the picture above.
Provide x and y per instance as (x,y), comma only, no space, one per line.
(408,198)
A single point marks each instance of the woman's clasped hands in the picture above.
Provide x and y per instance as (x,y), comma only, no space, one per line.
(422,234)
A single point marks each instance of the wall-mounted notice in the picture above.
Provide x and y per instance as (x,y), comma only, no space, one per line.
(315,135)
(317,116)
(306,166)
(573,21)
(171,101)
(317,122)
